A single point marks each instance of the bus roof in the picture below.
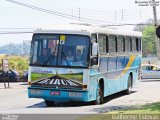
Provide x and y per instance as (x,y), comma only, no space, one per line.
(62,31)
(87,30)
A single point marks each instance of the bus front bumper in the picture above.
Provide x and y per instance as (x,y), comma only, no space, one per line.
(60,95)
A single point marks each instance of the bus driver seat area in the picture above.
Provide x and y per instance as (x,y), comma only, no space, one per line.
(45,56)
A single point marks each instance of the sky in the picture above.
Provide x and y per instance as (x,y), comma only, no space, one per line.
(104,12)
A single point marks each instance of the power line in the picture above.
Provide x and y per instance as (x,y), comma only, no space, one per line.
(55,12)
(70,8)
(71,16)
(16,28)
(16,32)
(39,8)
(125,25)
(106,17)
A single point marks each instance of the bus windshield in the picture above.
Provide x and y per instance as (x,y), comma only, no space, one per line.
(60,50)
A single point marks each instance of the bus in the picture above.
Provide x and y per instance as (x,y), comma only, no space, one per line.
(83,64)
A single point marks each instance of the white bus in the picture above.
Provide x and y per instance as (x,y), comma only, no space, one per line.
(83,64)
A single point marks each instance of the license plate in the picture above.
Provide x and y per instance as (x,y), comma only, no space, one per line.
(75,94)
(36,91)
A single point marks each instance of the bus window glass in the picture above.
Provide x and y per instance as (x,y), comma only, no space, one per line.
(53,44)
(102,43)
(47,47)
(60,50)
(34,58)
(94,37)
(112,43)
(127,44)
(74,52)
(120,45)
(139,44)
(134,44)
(44,43)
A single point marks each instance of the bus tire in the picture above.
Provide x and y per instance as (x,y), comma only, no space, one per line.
(129,87)
(99,96)
(49,103)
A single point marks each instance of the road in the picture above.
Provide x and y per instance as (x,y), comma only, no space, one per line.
(15,100)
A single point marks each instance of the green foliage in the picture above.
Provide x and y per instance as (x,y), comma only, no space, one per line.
(18,63)
(148,42)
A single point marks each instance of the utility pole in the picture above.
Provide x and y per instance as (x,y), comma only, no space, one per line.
(156,24)
(154,13)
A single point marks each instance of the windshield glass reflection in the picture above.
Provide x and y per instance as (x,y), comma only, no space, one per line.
(60,50)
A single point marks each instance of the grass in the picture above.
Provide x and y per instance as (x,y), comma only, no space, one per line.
(152,108)
(96,117)
(73,76)
(36,76)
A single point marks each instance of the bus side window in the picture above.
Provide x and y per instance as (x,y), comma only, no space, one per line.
(107,45)
(102,43)
(35,52)
(120,44)
(130,42)
(134,44)
(127,44)
(112,44)
(94,37)
(139,44)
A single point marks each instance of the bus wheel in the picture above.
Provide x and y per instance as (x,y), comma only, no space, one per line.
(49,103)
(99,97)
(129,88)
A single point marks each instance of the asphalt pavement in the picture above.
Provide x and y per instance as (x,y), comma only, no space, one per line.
(14,100)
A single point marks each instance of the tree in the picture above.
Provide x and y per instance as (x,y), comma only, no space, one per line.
(148,40)
(141,26)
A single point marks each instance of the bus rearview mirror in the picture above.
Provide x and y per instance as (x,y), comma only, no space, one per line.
(95,49)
